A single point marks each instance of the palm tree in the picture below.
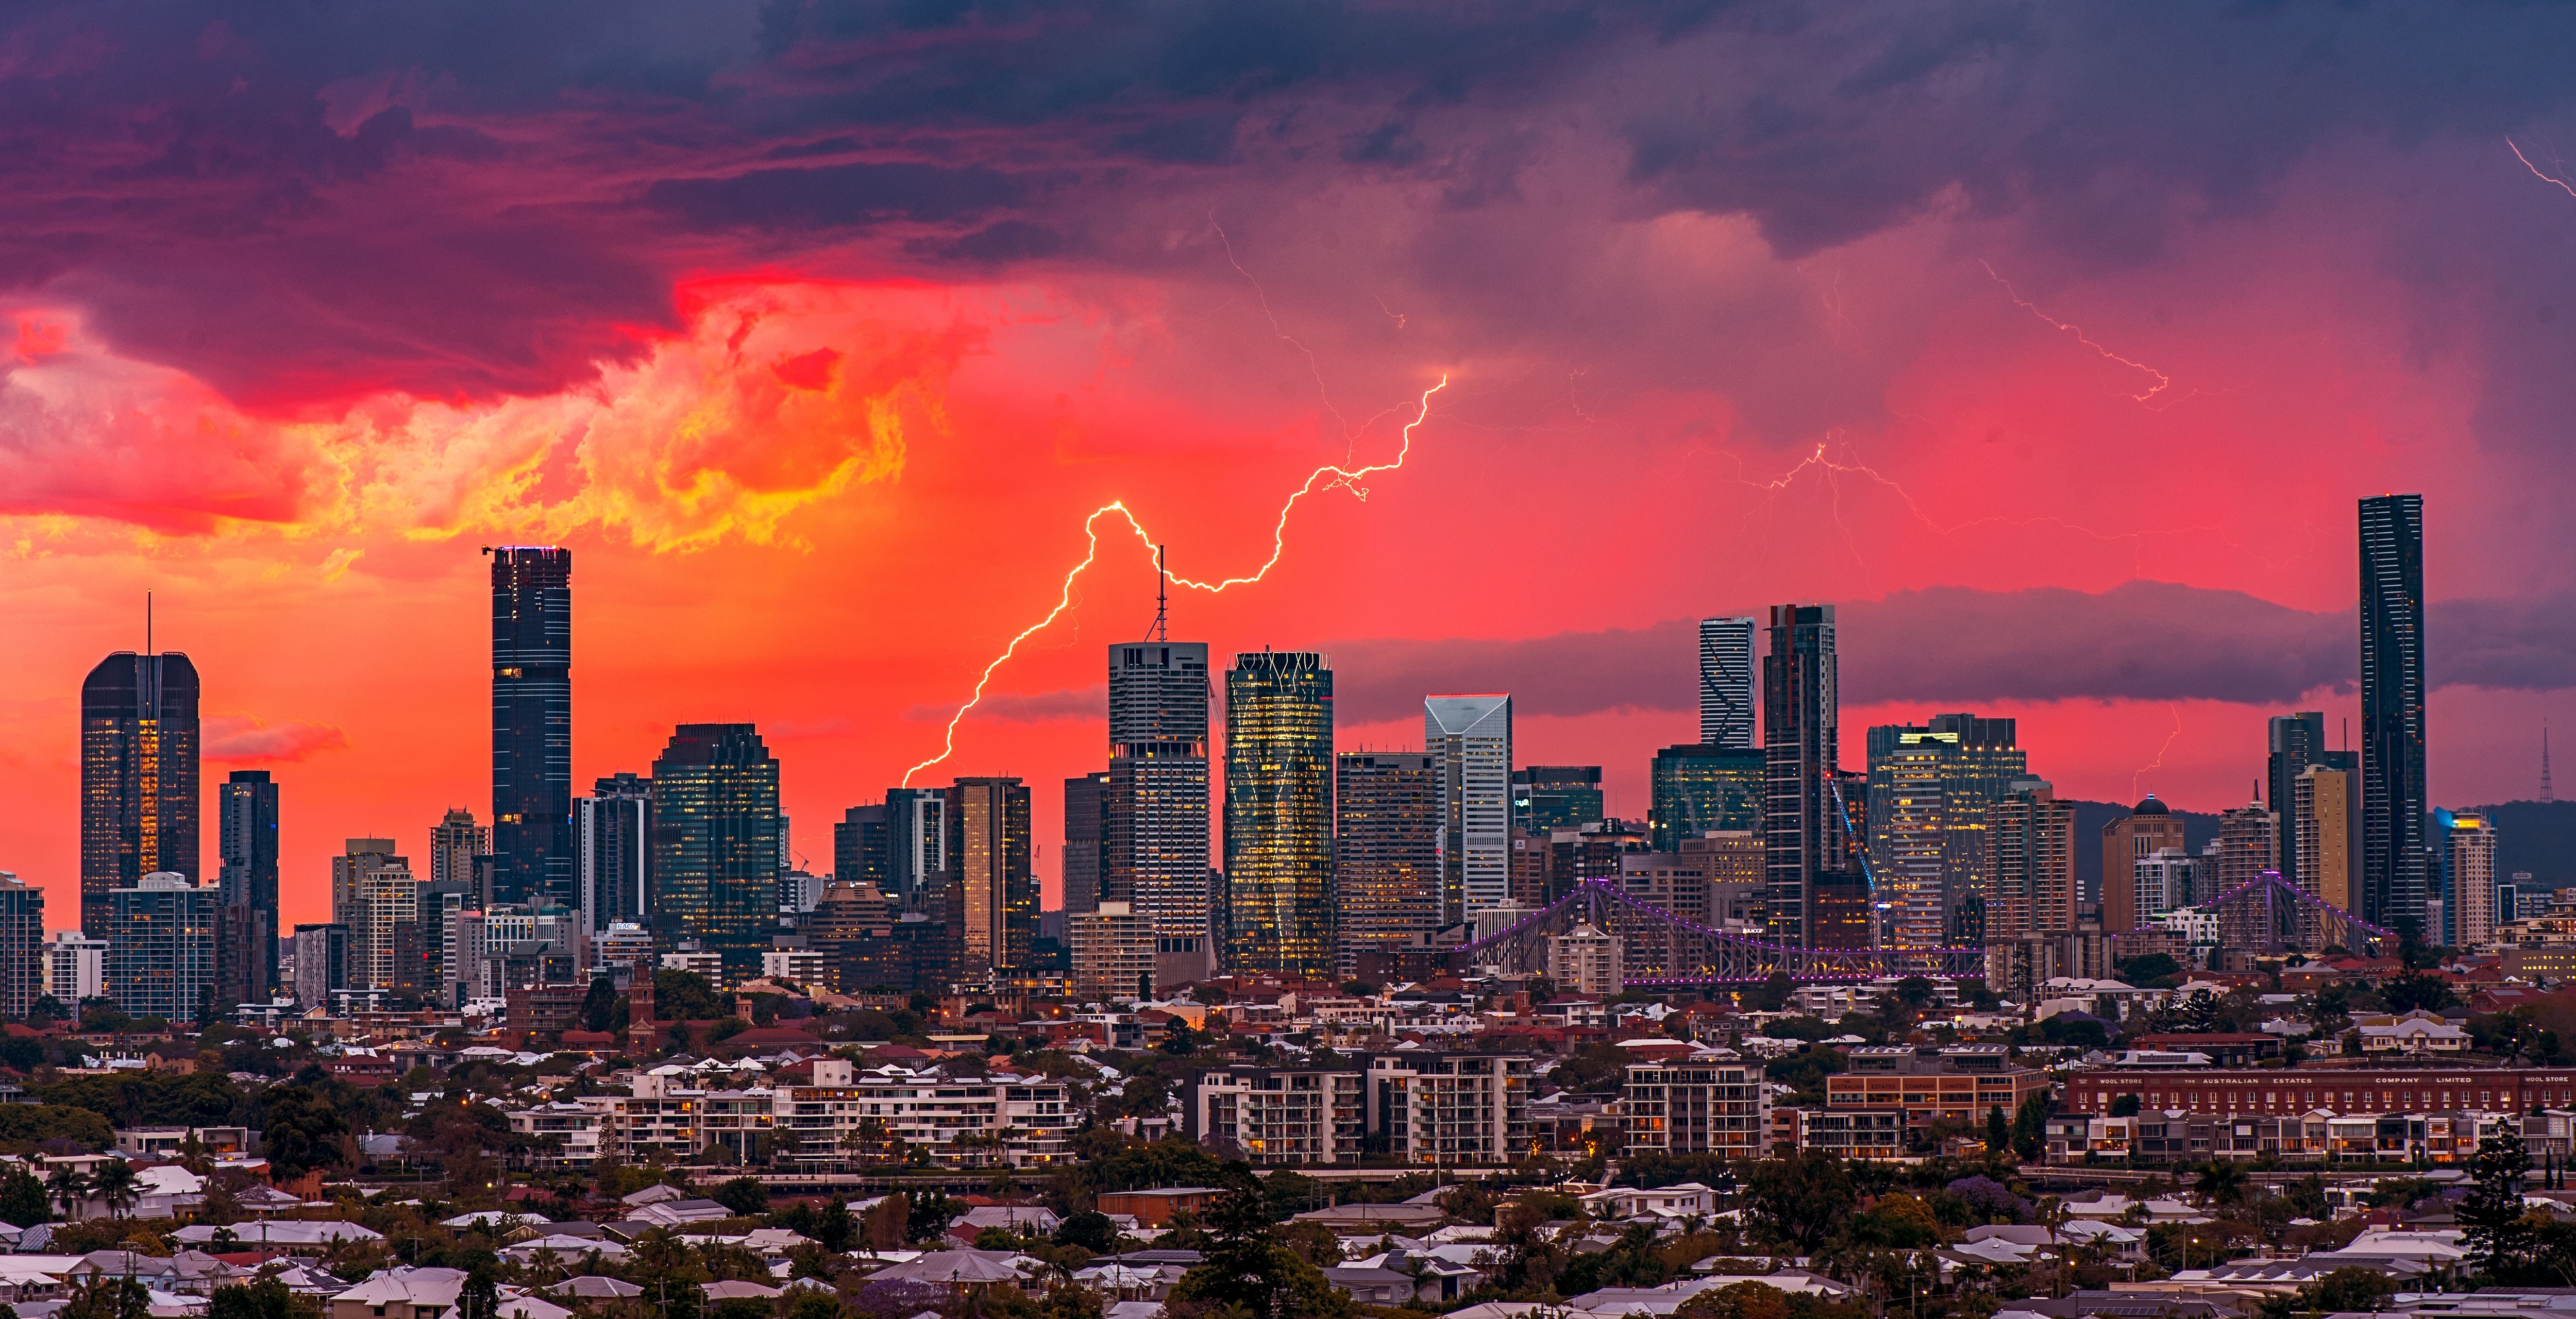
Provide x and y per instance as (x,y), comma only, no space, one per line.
(69,1188)
(2222,1182)
(115,1184)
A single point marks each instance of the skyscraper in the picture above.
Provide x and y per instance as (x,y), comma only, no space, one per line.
(916,843)
(2030,842)
(1279,813)
(1803,832)
(2465,844)
(454,842)
(613,853)
(246,848)
(2393,858)
(2249,843)
(714,862)
(358,858)
(1550,797)
(161,947)
(992,895)
(1086,841)
(22,947)
(2323,803)
(1158,800)
(1701,786)
(1387,812)
(2150,827)
(138,775)
(532,722)
(1726,694)
(1471,737)
(2296,741)
(1929,787)
(859,846)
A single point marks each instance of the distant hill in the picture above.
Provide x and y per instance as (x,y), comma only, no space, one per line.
(2538,836)
(2197,831)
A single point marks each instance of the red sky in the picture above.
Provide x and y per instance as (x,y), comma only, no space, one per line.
(817,346)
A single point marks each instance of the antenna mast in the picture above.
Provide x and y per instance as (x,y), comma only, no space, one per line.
(2546,794)
(147,638)
(1162,597)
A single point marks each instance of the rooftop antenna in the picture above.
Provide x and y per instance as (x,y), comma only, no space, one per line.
(1162,597)
(147,633)
(2546,793)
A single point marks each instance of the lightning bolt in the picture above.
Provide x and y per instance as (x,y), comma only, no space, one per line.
(2159,763)
(1330,476)
(2163,381)
(2536,170)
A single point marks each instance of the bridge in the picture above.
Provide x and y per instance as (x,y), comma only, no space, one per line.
(2266,913)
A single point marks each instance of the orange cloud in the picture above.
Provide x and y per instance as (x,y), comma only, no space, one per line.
(239,739)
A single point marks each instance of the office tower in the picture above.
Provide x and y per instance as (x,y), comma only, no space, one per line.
(1551,797)
(613,852)
(859,847)
(161,947)
(1929,787)
(1158,800)
(468,973)
(321,962)
(2324,801)
(2030,867)
(2158,883)
(992,895)
(1737,885)
(454,842)
(532,722)
(2147,829)
(1726,695)
(2393,854)
(1471,737)
(359,858)
(1387,813)
(75,969)
(1279,813)
(246,845)
(22,946)
(243,942)
(1113,952)
(1802,825)
(2465,845)
(386,950)
(2296,741)
(2249,843)
(448,907)
(1698,786)
(916,843)
(138,775)
(1086,841)
(714,861)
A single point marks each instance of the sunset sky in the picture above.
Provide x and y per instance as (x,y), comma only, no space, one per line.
(2054,343)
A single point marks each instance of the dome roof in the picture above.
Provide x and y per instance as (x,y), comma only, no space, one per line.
(2150,807)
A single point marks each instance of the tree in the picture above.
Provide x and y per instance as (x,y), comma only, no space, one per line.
(115,1185)
(1245,1269)
(2346,1290)
(2221,1183)
(1739,1300)
(1773,995)
(2491,1216)
(2415,989)
(1998,1130)
(745,1196)
(686,996)
(266,1298)
(69,1188)
(1801,1199)
(886,1223)
(301,1130)
(1092,1230)
(2030,1127)
(22,1198)
(929,1216)
(2125,1106)
(105,1297)
(603,1008)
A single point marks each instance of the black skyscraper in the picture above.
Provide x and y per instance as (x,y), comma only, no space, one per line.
(532,723)
(1802,831)
(246,853)
(2392,711)
(138,775)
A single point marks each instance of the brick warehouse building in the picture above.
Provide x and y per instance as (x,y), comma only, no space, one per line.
(2349,1090)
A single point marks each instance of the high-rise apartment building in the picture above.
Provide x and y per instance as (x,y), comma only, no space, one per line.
(161,947)
(358,858)
(1803,829)
(1471,737)
(1085,861)
(1929,787)
(714,861)
(389,949)
(321,962)
(2159,882)
(1550,797)
(2393,846)
(1697,787)
(454,842)
(1279,813)
(532,723)
(22,947)
(2150,827)
(2249,843)
(1727,699)
(244,941)
(859,846)
(2323,803)
(2030,842)
(1158,800)
(613,852)
(246,852)
(2296,741)
(1387,813)
(75,968)
(2465,845)
(1113,952)
(916,843)
(991,894)
(138,775)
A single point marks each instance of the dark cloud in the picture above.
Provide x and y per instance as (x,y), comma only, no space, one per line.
(833,196)
(2138,641)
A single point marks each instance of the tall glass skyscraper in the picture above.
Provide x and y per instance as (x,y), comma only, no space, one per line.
(246,854)
(916,839)
(532,723)
(613,852)
(1387,811)
(1471,737)
(1929,788)
(1085,858)
(1803,832)
(1726,687)
(1158,800)
(138,776)
(715,843)
(990,891)
(1700,786)
(1279,813)
(2393,856)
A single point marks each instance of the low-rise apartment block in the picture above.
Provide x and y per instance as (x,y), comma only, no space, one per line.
(1712,1101)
